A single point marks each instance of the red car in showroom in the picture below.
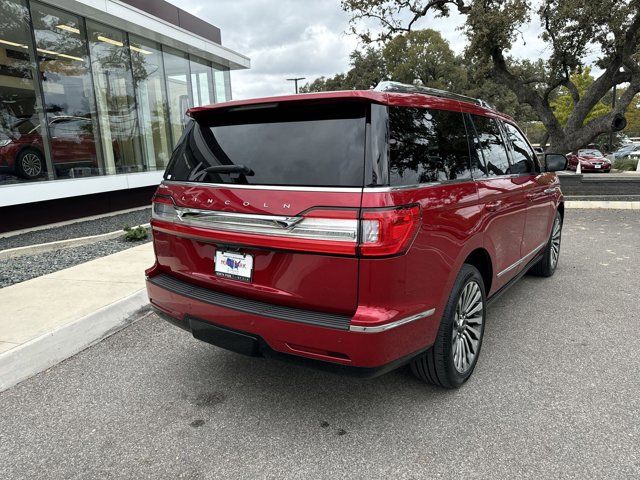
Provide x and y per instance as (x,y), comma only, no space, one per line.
(72,145)
(591,160)
(357,230)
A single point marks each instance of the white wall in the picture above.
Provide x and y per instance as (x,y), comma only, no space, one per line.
(23,192)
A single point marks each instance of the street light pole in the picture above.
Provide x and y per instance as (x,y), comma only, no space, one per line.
(296,81)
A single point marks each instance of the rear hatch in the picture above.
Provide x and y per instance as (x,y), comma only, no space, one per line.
(263,202)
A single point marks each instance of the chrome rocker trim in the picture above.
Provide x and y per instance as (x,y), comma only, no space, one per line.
(389,326)
(516,264)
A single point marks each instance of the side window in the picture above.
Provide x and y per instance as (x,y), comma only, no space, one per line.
(523,158)
(427,146)
(58,127)
(70,127)
(491,147)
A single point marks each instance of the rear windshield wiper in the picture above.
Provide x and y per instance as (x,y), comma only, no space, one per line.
(242,169)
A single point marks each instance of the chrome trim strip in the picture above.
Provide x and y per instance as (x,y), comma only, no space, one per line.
(514,265)
(188,215)
(399,187)
(267,187)
(340,230)
(389,326)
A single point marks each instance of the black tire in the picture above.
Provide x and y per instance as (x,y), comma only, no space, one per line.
(438,365)
(30,164)
(547,265)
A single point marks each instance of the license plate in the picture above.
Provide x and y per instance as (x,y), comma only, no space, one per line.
(597,166)
(234,265)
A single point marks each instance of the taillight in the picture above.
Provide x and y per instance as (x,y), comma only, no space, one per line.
(387,232)
(378,232)
(163,208)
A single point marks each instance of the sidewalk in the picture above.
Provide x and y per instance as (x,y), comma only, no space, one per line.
(49,318)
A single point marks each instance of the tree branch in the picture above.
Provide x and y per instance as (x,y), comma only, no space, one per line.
(526,94)
(610,77)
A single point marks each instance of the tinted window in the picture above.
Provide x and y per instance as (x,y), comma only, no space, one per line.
(523,158)
(491,146)
(282,145)
(427,146)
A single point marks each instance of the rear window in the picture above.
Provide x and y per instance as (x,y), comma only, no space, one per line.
(427,145)
(310,145)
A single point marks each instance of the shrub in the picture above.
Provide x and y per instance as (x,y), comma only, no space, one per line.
(625,163)
(135,234)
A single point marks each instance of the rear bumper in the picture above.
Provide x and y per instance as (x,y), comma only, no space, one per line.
(331,345)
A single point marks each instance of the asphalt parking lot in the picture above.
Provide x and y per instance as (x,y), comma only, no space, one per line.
(556,394)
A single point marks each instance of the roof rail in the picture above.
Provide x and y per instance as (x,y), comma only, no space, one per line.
(398,87)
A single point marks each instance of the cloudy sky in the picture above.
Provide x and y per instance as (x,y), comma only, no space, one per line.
(303,38)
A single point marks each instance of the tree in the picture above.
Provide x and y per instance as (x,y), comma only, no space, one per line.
(367,71)
(571,29)
(424,57)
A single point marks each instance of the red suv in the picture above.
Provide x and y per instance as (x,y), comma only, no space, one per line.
(356,230)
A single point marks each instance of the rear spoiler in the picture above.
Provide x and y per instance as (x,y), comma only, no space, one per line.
(347,96)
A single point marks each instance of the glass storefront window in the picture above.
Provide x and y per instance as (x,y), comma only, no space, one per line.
(201,81)
(220,84)
(153,113)
(117,114)
(81,98)
(176,66)
(68,91)
(22,148)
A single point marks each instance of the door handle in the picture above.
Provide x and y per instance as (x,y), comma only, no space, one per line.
(493,206)
(550,191)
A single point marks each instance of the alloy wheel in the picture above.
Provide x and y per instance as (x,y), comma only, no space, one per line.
(31,165)
(467,327)
(555,242)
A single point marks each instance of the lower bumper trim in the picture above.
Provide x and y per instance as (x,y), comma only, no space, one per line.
(389,326)
(279,312)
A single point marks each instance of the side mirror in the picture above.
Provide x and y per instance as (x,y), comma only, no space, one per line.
(555,162)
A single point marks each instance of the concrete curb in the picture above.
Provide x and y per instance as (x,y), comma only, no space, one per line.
(71,242)
(49,349)
(603,204)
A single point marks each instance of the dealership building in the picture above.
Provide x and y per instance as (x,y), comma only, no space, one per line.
(92,101)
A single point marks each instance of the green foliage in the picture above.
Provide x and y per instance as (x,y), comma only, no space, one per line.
(135,234)
(424,57)
(633,118)
(534,131)
(367,71)
(626,164)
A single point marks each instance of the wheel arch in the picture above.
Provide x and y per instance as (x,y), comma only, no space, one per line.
(481,259)
(561,210)
(34,148)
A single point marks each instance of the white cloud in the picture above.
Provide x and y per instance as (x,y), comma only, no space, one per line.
(284,39)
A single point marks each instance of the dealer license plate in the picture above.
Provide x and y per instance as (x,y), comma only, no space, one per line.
(597,166)
(234,265)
